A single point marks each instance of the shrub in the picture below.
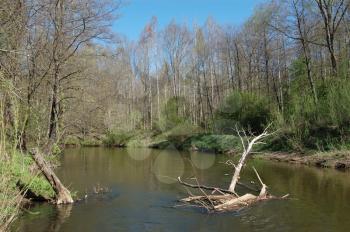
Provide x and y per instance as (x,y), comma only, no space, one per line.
(117,138)
(248,110)
(71,141)
(213,143)
(174,113)
(322,126)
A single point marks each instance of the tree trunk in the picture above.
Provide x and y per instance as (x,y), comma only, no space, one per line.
(243,158)
(63,195)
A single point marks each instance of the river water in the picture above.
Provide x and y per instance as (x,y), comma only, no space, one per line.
(143,192)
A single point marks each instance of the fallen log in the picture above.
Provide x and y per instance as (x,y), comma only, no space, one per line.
(63,195)
(229,200)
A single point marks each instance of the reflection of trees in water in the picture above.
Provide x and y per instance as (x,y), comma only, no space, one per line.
(202,160)
(166,173)
(62,214)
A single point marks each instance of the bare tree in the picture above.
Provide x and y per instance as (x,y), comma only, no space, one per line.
(332,13)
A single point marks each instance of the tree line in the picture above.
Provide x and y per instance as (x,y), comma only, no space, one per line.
(64,72)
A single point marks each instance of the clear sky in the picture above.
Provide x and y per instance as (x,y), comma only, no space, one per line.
(136,13)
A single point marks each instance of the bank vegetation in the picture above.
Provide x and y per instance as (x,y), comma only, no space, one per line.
(67,78)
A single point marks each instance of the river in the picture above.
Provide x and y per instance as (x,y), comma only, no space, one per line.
(143,192)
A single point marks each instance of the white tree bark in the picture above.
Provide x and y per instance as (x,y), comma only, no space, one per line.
(243,158)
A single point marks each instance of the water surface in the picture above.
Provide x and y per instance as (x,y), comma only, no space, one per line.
(143,192)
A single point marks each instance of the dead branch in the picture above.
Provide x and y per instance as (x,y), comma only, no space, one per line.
(203,187)
(263,191)
(228,199)
(216,188)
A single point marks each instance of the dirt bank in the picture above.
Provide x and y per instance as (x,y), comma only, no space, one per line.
(339,160)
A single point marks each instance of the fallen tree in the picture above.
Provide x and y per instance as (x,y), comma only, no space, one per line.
(228,199)
(63,196)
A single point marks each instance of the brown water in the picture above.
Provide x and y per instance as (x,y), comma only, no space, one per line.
(143,194)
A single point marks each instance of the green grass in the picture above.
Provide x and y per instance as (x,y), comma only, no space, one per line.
(17,167)
(22,168)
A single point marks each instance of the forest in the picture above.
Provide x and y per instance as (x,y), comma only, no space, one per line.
(68,79)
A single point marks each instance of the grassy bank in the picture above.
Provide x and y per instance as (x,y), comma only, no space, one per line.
(280,147)
(18,169)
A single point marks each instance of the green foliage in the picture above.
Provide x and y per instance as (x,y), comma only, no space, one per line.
(246,110)
(213,143)
(21,171)
(90,142)
(174,113)
(56,150)
(117,138)
(298,69)
(180,133)
(18,169)
(322,126)
(71,141)
(139,139)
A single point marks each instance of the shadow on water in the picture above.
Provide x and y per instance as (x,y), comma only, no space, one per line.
(143,192)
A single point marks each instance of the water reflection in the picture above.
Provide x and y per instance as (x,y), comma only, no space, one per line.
(62,213)
(139,154)
(202,160)
(161,169)
(142,197)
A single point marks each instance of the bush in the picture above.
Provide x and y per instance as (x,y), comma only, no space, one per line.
(322,126)
(71,141)
(139,139)
(90,142)
(180,133)
(246,110)
(174,113)
(213,143)
(117,138)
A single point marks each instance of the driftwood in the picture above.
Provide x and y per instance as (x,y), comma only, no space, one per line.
(215,188)
(228,199)
(63,195)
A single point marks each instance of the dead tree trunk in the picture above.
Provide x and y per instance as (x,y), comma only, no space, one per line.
(63,195)
(243,158)
(228,200)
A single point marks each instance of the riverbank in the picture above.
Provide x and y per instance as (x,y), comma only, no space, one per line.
(18,174)
(339,160)
(220,144)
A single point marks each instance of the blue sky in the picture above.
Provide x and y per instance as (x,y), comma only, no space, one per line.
(136,13)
